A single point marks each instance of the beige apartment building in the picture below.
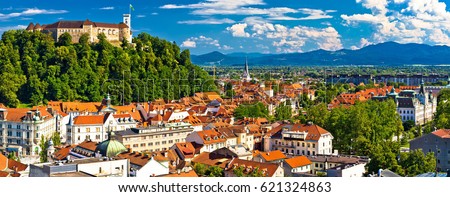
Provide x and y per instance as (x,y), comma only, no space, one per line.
(154,138)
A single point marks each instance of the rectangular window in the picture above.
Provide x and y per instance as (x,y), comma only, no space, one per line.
(163,142)
(88,130)
(97,129)
(9,133)
(150,144)
(170,141)
(18,126)
(314,145)
(143,145)
(9,126)
(135,145)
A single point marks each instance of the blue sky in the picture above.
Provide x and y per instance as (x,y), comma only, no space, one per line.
(265,26)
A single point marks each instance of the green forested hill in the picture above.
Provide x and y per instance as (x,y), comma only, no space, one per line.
(34,69)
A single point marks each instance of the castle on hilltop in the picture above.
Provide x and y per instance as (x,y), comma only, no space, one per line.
(114,33)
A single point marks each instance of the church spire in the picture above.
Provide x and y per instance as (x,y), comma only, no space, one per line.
(422,88)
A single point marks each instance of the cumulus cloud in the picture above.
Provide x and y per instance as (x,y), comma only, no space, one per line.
(6,28)
(30,12)
(290,39)
(238,30)
(194,42)
(189,44)
(362,43)
(209,21)
(140,16)
(419,21)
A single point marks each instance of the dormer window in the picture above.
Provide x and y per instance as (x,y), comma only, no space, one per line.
(208,138)
(215,138)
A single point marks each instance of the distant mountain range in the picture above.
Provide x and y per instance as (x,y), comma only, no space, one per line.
(389,53)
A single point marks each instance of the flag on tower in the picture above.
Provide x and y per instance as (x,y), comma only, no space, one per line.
(131,7)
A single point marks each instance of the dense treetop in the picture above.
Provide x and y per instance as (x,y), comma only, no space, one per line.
(35,69)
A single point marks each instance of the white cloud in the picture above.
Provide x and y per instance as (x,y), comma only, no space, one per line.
(209,21)
(154,13)
(226,47)
(362,43)
(6,28)
(244,7)
(107,8)
(189,44)
(238,30)
(420,21)
(30,12)
(290,39)
(194,42)
(140,16)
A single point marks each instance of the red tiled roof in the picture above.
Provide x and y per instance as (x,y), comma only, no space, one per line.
(88,120)
(314,131)
(3,162)
(268,169)
(299,161)
(272,155)
(16,166)
(442,133)
(211,136)
(88,145)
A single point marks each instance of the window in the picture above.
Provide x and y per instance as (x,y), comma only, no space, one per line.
(88,130)
(309,145)
(298,152)
(314,145)
(9,126)
(163,142)
(28,135)
(97,129)
(18,126)
(170,141)
(79,138)
(135,145)
(314,153)
(308,152)
(97,137)
(79,130)
(150,144)
(317,165)
(303,152)
(303,144)
(9,133)
(143,145)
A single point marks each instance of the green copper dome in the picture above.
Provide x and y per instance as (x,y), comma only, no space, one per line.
(111,147)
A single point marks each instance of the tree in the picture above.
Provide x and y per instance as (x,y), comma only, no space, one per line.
(283,112)
(253,111)
(239,171)
(64,39)
(43,147)
(416,162)
(200,169)
(214,171)
(56,139)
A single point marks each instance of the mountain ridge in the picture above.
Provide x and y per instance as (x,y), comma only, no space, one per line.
(388,53)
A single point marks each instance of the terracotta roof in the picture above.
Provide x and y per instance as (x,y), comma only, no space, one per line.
(88,145)
(3,162)
(314,131)
(295,162)
(16,114)
(442,133)
(16,166)
(4,174)
(89,120)
(135,158)
(186,148)
(62,153)
(204,158)
(30,26)
(268,169)
(211,136)
(122,116)
(272,155)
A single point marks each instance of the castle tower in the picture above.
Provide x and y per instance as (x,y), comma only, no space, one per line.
(127,21)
